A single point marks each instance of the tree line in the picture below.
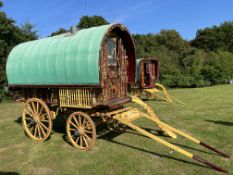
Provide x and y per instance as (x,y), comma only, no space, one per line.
(206,60)
(10,36)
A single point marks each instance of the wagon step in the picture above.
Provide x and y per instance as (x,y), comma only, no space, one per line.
(128,115)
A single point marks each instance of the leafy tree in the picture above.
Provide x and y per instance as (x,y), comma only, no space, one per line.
(218,67)
(172,40)
(91,21)
(215,38)
(28,31)
(85,22)
(10,36)
(59,31)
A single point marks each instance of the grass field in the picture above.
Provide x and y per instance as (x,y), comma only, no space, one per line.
(208,115)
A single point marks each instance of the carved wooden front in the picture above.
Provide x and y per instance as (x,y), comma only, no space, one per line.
(114,69)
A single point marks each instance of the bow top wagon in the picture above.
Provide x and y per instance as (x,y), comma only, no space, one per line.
(88,73)
(86,69)
(92,63)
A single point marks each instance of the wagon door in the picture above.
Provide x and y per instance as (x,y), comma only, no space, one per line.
(116,69)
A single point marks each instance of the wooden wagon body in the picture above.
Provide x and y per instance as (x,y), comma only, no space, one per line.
(147,72)
(85,69)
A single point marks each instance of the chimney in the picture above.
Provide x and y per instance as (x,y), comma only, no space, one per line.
(74,29)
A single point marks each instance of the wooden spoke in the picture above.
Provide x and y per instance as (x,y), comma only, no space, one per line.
(29,110)
(81,141)
(29,124)
(86,126)
(33,107)
(31,129)
(43,126)
(39,130)
(76,141)
(86,136)
(78,124)
(73,124)
(43,115)
(79,120)
(36,120)
(28,117)
(89,132)
(41,109)
(84,122)
(47,121)
(35,133)
(42,130)
(85,141)
(37,107)
(76,132)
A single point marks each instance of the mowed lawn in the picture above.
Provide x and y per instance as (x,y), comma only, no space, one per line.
(207,114)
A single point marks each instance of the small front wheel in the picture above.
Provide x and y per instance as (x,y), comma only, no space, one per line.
(80,130)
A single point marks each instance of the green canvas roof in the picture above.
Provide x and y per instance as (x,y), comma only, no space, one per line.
(60,60)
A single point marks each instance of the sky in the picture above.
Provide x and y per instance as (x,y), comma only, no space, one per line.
(139,16)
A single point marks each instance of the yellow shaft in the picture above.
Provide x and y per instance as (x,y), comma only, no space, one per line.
(161,124)
(152,116)
(179,132)
(155,138)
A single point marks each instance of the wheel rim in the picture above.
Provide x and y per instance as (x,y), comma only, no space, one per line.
(36,119)
(81,130)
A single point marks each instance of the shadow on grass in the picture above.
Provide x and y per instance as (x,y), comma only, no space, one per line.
(188,147)
(110,135)
(19,120)
(157,133)
(58,125)
(8,173)
(226,123)
(152,131)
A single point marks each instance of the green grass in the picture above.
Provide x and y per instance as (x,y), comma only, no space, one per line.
(208,115)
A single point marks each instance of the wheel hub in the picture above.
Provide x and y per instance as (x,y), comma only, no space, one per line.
(78,132)
(36,118)
(33,121)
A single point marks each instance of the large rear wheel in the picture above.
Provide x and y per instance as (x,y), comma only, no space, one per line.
(36,119)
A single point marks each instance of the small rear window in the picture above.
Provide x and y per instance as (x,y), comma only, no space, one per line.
(111,46)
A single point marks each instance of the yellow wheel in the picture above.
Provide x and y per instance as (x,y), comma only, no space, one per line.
(36,119)
(80,130)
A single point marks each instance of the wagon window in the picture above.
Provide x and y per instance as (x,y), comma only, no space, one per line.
(111,45)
